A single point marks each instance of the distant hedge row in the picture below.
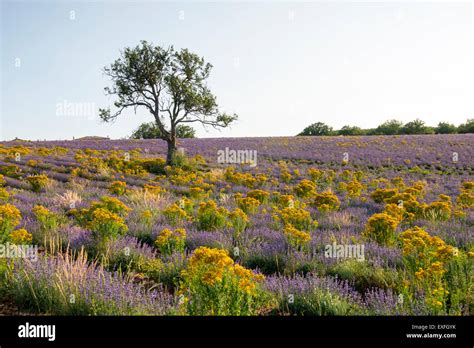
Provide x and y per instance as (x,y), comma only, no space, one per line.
(391,127)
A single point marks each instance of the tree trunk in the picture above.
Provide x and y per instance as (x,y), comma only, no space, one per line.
(171,150)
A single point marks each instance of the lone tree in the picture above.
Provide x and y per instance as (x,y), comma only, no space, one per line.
(170,84)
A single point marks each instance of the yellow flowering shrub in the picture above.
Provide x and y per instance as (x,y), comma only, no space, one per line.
(245,179)
(248,204)
(175,215)
(259,195)
(354,189)
(286,177)
(153,189)
(21,236)
(118,188)
(296,238)
(413,209)
(417,189)
(305,188)
(326,201)
(10,217)
(315,174)
(169,241)
(4,195)
(104,224)
(297,217)
(286,201)
(381,194)
(105,218)
(381,228)
(186,204)
(465,199)
(424,248)
(111,204)
(468,186)
(210,217)
(212,284)
(147,218)
(238,220)
(425,257)
(439,210)
(47,219)
(398,182)
(37,182)
(197,192)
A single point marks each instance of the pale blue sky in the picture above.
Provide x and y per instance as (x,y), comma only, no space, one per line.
(279,65)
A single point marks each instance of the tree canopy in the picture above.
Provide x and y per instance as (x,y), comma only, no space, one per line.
(149,130)
(169,84)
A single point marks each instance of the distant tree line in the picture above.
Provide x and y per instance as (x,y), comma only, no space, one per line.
(391,127)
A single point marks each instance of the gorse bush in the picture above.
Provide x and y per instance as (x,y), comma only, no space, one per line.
(259,195)
(238,220)
(38,182)
(326,201)
(104,218)
(175,215)
(118,188)
(48,220)
(381,228)
(21,236)
(353,188)
(296,217)
(380,194)
(426,258)
(153,189)
(10,217)
(248,204)
(106,224)
(212,284)
(297,239)
(210,217)
(169,241)
(315,174)
(306,188)
(438,211)
(4,195)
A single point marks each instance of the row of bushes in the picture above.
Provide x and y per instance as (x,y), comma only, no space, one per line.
(391,127)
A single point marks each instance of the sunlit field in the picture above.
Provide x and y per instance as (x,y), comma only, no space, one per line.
(379,225)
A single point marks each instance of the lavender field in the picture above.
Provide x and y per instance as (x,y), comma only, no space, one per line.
(368,225)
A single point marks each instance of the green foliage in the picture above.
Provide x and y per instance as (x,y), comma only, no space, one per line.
(37,182)
(467,127)
(210,217)
(317,129)
(416,127)
(445,128)
(316,303)
(350,130)
(363,275)
(390,127)
(149,130)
